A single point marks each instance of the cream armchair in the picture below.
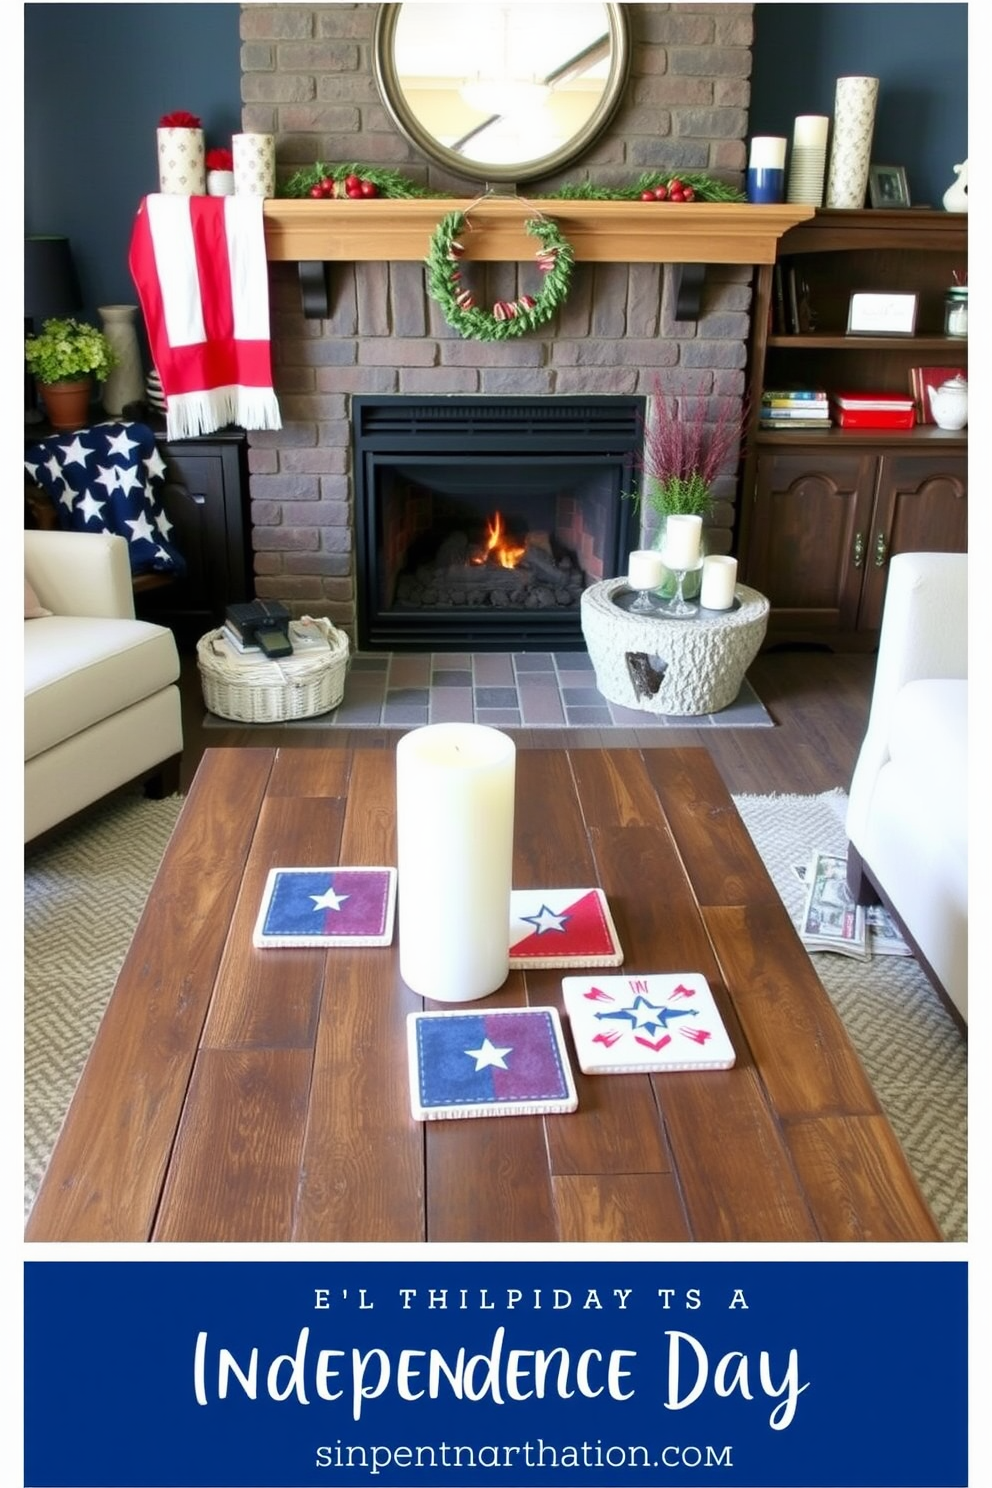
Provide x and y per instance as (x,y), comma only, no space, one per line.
(101,701)
(907,817)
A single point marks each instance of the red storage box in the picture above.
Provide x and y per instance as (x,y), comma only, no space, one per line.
(875,418)
(873,411)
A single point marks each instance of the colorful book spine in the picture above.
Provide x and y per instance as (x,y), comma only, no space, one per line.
(794,395)
(810,410)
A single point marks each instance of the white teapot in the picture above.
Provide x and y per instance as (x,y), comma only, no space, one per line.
(949,403)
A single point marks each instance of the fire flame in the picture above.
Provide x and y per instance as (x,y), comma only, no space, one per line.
(497,548)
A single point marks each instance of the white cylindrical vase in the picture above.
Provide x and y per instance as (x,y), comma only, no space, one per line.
(454,840)
(254,164)
(126,381)
(850,155)
(181,157)
(220,183)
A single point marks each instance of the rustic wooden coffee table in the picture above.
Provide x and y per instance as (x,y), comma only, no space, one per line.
(234,1094)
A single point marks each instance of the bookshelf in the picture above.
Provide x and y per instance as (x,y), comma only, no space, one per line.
(823,510)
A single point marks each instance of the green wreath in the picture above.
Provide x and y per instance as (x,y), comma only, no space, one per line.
(507,317)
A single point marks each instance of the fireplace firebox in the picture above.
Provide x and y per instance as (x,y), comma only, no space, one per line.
(480,520)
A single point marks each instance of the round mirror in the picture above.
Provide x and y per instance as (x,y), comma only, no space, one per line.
(501,92)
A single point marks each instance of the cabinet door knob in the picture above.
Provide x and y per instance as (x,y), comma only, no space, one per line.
(881,550)
(859,549)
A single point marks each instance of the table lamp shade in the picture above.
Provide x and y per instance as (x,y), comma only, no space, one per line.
(51,285)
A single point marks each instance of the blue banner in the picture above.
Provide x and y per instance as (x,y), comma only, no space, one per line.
(258,1374)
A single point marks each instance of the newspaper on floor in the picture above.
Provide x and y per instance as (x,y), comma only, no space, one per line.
(831,920)
(880,936)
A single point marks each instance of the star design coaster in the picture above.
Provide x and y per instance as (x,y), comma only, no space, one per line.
(327,907)
(508,1062)
(649,1024)
(562,927)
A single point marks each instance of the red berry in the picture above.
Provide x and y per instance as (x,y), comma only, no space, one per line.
(675,184)
(316,192)
(354,192)
(661,193)
(369,188)
(350,181)
(676,196)
(648,195)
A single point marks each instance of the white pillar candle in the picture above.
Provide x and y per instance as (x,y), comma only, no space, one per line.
(682,538)
(719,580)
(454,838)
(809,132)
(767,152)
(645,569)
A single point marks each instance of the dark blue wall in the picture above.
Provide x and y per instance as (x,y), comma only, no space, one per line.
(919,53)
(111,71)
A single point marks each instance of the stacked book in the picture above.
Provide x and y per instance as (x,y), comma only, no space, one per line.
(795,408)
(874,410)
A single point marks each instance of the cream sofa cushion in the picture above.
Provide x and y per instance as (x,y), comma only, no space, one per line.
(79,669)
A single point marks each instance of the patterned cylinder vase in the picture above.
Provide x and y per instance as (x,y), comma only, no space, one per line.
(850,155)
(181,162)
(254,164)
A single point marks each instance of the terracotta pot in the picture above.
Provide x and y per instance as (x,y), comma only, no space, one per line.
(67,403)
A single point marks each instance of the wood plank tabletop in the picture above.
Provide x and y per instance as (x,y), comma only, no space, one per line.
(236,1094)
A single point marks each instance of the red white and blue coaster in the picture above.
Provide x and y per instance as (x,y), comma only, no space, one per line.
(562,927)
(646,1024)
(327,907)
(509,1062)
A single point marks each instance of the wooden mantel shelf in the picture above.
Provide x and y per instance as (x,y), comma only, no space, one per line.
(599,232)
(686,235)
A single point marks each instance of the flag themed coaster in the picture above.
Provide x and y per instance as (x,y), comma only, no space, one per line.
(327,907)
(562,927)
(510,1062)
(626,1024)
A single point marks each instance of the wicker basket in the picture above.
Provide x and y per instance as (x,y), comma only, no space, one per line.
(254,689)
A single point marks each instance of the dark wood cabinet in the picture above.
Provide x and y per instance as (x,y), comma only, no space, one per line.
(824,524)
(823,511)
(206,497)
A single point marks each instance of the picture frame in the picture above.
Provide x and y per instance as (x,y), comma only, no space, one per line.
(882,314)
(887,186)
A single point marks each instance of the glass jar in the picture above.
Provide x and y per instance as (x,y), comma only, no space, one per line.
(956,311)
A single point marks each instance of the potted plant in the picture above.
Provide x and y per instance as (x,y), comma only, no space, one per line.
(65,358)
(684,454)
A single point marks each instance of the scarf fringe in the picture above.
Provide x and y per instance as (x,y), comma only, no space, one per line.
(189,415)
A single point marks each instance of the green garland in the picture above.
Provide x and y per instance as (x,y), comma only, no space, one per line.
(507,317)
(390,183)
(706,188)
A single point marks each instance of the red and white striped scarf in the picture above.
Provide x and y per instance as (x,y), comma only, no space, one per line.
(199,266)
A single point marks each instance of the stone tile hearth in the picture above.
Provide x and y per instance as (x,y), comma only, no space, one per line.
(531,689)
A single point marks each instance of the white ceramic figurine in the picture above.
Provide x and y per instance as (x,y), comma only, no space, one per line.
(956,196)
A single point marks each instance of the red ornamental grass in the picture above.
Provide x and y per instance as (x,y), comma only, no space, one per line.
(684,451)
(222,160)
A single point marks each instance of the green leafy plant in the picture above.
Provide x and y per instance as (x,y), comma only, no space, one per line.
(685,451)
(68,350)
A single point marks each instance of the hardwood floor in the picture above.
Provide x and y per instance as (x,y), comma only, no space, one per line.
(819,702)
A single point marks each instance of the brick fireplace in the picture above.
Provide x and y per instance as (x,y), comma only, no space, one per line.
(307,77)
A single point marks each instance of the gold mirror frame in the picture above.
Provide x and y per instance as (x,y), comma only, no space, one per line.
(394,99)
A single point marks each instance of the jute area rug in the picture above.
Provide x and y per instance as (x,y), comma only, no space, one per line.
(84,894)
